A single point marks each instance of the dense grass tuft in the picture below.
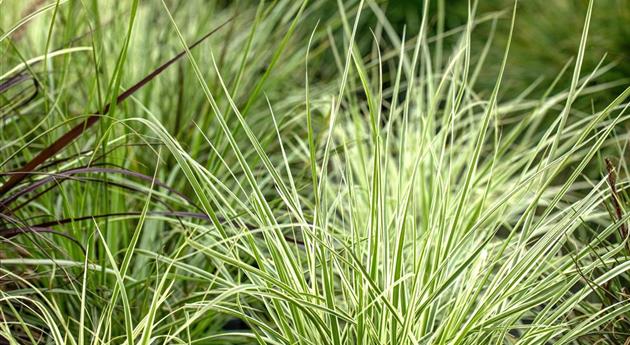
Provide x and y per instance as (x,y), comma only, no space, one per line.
(307,173)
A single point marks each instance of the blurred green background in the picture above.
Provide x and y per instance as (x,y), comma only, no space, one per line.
(547,34)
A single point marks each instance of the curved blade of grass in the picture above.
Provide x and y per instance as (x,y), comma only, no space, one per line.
(76,131)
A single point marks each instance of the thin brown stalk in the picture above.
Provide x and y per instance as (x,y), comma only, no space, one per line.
(77,130)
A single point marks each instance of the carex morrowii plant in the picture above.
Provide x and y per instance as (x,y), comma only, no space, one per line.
(304,174)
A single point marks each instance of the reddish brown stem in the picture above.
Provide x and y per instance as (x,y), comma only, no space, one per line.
(612,182)
(77,130)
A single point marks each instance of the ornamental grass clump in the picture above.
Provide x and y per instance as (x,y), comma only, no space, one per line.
(302,173)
